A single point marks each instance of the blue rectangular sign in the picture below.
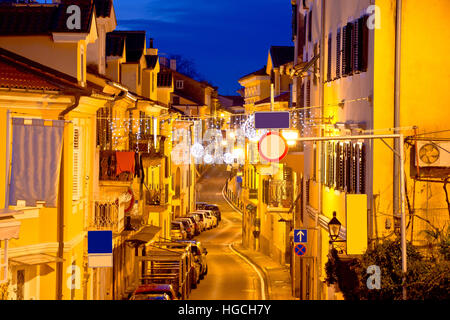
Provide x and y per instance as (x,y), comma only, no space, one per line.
(300,236)
(99,242)
(272,120)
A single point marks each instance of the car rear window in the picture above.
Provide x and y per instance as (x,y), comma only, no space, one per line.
(175,226)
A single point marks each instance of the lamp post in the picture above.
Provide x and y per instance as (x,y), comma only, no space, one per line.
(334,227)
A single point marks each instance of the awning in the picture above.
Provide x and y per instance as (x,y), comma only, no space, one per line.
(145,235)
(34,259)
(151,160)
(9,229)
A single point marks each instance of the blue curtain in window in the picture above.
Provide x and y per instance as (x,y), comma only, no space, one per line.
(36,162)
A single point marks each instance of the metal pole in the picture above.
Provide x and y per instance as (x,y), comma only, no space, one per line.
(396,169)
(403,218)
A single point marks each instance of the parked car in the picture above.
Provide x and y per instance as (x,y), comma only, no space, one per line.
(154,292)
(177,231)
(185,246)
(200,205)
(210,214)
(200,219)
(200,256)
(188,226)
(215,209)
(197,223)
(207,220)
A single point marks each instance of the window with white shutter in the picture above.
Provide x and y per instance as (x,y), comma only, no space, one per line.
(77,166)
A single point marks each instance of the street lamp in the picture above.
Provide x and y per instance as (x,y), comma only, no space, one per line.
(334,227)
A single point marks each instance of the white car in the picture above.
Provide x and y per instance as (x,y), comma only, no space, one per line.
(211,216)
(207,221)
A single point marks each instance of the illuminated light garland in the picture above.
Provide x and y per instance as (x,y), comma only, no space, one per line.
(208,159)
(197,150)
(228,158)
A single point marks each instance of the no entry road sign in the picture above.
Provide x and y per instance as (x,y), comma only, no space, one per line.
(272,147)
(300,249)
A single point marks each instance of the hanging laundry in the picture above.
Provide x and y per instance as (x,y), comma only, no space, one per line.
(125,162)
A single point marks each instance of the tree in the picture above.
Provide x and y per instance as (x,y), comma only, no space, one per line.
(187,67)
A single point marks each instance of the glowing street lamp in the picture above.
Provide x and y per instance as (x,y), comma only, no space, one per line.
(334,227)
(291,136)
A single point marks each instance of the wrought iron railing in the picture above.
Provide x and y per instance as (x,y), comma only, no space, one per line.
(107,215)
(280,193)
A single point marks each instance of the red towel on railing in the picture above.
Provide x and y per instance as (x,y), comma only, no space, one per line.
(124,162)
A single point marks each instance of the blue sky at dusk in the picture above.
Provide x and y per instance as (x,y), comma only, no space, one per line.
(225,39)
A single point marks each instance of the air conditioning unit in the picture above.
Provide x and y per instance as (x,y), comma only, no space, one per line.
(433,153)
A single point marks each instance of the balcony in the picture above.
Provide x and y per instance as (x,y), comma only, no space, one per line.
(107,215)
(156,200)
(146,143)
(108,167)
(280,194)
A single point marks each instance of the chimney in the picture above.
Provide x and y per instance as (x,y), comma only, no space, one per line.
(173,64)
(150,50)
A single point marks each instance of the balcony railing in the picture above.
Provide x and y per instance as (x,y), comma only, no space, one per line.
(107,215)
(280,193)
(146,143)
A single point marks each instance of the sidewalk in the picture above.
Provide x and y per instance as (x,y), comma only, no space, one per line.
(277,277)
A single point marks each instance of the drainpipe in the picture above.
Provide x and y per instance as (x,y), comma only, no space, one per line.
(397,147)
(70,108)
(60,224)
(319,151)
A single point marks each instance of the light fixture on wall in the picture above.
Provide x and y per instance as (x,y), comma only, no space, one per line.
(334,228)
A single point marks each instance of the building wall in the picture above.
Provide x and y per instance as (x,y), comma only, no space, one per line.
(63,57)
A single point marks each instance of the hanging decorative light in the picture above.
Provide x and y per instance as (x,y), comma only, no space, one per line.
(228,158)
(197,150)
(208,159)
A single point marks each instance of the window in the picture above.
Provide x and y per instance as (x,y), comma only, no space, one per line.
(355,47)
(338,54)
(345,165)
(310,27)
(179,84)
(77,179)
(329,58)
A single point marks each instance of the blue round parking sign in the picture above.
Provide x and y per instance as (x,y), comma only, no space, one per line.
(300,249)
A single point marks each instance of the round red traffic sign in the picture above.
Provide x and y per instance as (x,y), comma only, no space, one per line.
(272,147)
(300,249)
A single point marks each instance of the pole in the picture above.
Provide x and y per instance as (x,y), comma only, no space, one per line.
(398,42)
(403,218)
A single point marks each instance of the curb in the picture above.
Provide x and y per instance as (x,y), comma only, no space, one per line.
(267,285)
(224,195)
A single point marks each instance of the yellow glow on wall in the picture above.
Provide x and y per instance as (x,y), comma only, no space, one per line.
(356,206)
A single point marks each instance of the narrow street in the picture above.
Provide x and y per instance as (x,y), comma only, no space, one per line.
(229,276)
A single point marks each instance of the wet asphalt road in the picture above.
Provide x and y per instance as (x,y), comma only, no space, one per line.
(229,276)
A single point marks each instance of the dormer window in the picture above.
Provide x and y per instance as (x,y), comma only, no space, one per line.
(179,84)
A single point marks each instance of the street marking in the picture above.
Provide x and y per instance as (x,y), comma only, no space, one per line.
(261,278)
